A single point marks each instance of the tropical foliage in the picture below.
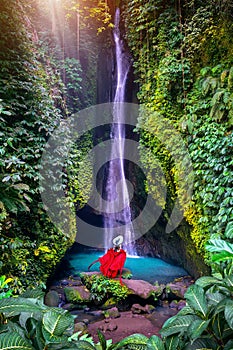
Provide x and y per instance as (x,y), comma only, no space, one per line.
(182,52)
(183,64)
(41,83)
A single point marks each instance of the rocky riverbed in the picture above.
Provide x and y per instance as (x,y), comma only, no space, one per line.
(144,310)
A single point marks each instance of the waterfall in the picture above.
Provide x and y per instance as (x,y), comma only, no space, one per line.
(117,186)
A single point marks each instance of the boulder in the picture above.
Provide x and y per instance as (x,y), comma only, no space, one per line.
(80,327)
(108,327)
(176,290)
(143,289)
(173,304)
(52,298)
(112,313)
(77,294)
(69,306)
(139,309)
(181,304)
(94,316)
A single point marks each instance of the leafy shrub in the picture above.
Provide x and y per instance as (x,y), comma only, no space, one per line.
(102,287)
(5,292)
(207,319)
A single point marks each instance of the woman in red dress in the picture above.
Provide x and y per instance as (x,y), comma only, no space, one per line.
(113,261)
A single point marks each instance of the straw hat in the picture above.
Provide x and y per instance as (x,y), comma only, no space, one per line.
(117,240)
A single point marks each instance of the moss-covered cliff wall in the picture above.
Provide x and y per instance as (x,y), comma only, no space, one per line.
(183,61)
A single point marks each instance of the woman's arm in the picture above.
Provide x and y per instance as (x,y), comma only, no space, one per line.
(94,262)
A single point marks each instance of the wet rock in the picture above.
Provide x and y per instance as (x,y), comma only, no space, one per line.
(112,313)
(177,289)
(79,294)
(173,304)
(52,298)
(86,321)
(69,306)
(160,315)
(181,304)
(143,289)
(75,283)
(94,316)
(80,327)
(108,327)
(78,310)
(64,283)
(139,309)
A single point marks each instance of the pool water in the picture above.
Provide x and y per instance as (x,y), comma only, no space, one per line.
(146,268)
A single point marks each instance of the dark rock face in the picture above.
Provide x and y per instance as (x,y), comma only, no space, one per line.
(175,248)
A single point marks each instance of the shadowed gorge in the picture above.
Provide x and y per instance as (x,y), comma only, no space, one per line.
(116,121)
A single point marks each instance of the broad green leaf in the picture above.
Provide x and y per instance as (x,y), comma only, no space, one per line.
(82,345)
(57,323)
(14,306)
(229,345)
(227,332)
(229,230)
(24,316)
(223,256)
(155,343)
(220,307)
(214,298)
(172,342)
(13,340)
(229,313)
(170,320)
(221,247)
(51,338)
(39,341)
(217,324)
(33,294)
(208,281)
(195,297)
(15,327)
(229,281)
(196,328)
(102,340)
(202,344)
(187,310)
(135,339)
(179,325)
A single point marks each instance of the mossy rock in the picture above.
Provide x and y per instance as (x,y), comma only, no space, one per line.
(52,299)
(77,295)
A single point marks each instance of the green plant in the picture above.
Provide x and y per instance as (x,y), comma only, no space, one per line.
(222,250)
(5,292)
(207,319)
(127,276)
(102,287)
(28,323)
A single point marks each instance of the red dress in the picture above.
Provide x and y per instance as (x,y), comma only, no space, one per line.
(112,262)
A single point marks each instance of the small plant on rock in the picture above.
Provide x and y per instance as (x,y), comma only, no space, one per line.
(102,287)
